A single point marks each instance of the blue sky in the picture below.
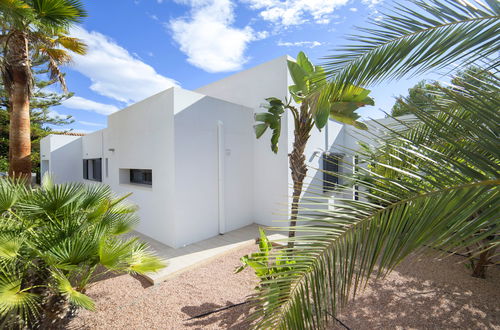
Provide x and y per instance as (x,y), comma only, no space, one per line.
(140,47)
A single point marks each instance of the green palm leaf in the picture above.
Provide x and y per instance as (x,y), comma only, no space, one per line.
(432,182)
(10,244)
(74,296)
(417,36)
(143,260)
(14,301)
(56,13)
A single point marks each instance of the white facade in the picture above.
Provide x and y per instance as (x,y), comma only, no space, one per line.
(210,174)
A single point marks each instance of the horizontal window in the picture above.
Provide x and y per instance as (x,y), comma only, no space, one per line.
(141,176)
(92,169)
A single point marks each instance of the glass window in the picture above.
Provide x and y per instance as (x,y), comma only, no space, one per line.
(92,169)
(141,176)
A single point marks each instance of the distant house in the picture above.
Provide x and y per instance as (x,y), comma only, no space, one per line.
(191,158)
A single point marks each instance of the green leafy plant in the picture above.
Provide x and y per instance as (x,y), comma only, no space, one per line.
(309,84)
(445,195)
(269,264)
(57,239)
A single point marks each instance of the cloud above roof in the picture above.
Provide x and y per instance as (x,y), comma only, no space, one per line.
(80,103)
(208,38)
(114,72)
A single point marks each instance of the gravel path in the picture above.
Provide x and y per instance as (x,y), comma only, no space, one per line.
(421,294)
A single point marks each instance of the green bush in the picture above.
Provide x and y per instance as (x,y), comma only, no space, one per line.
(54,241)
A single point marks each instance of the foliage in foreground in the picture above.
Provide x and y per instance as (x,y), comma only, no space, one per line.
(443,168)
(438,188)
(57,239)
(309,82)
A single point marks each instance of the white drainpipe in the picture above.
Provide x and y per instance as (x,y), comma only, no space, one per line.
(221,156)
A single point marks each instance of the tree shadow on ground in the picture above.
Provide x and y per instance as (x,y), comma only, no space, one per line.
(427,294)
(232,318)
(102,275)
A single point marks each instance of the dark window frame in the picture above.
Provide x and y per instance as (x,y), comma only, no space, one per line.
(85,169)
(141,176)
(331,164)
(96,169)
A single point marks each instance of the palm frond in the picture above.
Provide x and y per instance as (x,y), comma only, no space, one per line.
(128,255)
(433,182)
(14,301)
(73,44)
(74,296)
(9,194)
(143,260)
(10,244)
(417,36)
(55,13)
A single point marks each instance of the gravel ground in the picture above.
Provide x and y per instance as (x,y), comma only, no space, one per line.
(421,293)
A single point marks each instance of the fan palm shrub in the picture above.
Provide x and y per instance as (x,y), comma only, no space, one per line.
(433,181)
(31,30)
(309,83)
(54,241)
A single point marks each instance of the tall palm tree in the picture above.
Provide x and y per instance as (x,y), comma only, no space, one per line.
(32,29)
(441,184)
(309,82)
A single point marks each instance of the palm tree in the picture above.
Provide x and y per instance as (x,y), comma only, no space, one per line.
(440,187)
(57,239)
(309,82)
(30,30)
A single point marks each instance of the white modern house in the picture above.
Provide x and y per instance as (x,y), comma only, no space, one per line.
(191,158)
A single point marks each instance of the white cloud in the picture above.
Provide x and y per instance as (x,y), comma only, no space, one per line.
(295,12)
(353,9)
(208,38)
(114,72)
(372,3)
(308,44)
(80,103)
(89,123)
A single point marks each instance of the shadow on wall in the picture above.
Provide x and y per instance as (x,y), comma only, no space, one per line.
(66,162)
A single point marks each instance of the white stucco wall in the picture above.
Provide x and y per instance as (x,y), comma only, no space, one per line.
(61,156)
(250,88)
(197,166)
(141,137)
(273,184)
(92,145)
(175,134)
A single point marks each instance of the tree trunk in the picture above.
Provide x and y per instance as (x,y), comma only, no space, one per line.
(480,265)
(56,313)
(297,161)
(18,73)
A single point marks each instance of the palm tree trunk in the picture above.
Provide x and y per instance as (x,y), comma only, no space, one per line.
(479,269)
(18,87)
(297,162)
